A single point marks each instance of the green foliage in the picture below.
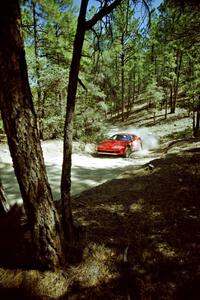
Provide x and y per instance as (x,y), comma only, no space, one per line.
(88,126)
(153,94)
(119,63)
(53,127)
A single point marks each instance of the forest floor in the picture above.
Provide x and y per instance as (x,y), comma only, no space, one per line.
(140,231)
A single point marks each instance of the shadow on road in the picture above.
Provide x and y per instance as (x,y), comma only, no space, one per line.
(83,178)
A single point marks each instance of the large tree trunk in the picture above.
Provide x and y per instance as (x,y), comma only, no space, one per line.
(4,207)
(23,138)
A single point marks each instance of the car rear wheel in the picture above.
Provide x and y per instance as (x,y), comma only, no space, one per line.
(127,152)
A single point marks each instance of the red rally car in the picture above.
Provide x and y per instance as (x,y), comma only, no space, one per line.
(122,144)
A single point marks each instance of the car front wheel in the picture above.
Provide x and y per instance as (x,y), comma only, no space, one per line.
(127,152)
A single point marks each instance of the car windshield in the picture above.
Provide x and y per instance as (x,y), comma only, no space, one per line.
(121,137)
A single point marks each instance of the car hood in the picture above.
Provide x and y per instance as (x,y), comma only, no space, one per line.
(111,143)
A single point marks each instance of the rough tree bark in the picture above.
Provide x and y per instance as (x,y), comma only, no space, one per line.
(4,207)
(23,138)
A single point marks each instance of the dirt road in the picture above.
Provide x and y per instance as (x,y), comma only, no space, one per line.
(87,169)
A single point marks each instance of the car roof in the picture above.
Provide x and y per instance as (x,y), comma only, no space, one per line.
(124,133)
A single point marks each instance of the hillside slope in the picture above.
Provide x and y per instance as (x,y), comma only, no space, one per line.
(139,234)
(149,220)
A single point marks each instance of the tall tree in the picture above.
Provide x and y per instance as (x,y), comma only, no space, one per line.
(20,125)
(82,27)
(36,51)
(125,30)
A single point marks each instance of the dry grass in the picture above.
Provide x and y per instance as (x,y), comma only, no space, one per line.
(96,268)
(21,284)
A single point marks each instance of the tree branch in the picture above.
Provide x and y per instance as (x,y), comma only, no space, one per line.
(82,84)
(106,9)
